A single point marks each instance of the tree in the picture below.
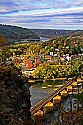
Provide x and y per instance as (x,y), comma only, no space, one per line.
(2,40)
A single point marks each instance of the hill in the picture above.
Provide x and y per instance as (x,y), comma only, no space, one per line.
(50,33)
(14,33)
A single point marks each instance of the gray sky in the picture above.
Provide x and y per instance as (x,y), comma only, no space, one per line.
(42,14)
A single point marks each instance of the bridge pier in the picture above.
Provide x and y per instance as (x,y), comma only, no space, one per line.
(69,89)
(38,117)
(64,94)
(79,79)
(74,88)
(74,84)
(56,99)
(40,113)
(48,107)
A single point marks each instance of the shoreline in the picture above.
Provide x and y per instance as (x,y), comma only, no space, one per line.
(33,81)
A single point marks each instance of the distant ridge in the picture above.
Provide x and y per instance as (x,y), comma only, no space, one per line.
(50,33)
(15,33)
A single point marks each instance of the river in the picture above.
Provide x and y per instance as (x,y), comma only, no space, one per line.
(44,39)
(41,90)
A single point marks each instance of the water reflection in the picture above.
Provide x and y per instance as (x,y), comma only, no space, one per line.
(40,91)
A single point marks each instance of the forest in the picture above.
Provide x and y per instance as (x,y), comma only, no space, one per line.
(15,34)
(51,33)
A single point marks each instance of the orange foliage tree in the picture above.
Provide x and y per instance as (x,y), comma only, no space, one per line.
(2,40)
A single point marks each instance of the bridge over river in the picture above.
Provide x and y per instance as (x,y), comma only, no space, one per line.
(73,86)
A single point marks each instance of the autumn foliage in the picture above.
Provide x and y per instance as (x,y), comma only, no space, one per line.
(2,40)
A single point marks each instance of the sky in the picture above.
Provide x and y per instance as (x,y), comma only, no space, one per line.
(42,14)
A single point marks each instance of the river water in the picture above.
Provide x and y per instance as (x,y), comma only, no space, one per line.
(44,39)
(39,91)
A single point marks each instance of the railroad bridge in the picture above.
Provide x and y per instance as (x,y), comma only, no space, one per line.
(28,40)
(73,86)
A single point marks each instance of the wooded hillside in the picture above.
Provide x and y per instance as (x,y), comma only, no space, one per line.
(15,33)
(50,33)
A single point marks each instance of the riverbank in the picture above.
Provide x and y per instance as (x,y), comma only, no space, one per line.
(34,81)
